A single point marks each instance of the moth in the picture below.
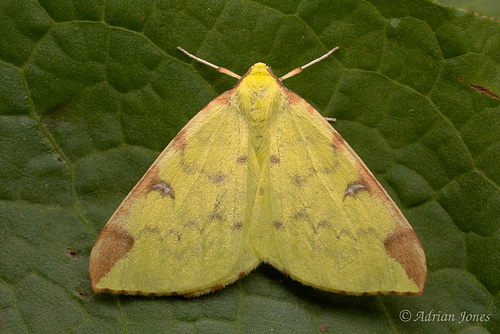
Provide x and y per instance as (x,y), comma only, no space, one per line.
(258,175)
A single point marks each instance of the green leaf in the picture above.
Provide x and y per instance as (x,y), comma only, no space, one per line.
(484,7)
(92,91)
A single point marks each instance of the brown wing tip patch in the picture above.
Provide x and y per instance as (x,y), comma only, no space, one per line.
(274,160)
(113,244)
(403,245)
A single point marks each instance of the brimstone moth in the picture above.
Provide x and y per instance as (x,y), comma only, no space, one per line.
(257,176)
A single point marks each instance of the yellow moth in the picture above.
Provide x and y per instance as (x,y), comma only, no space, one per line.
(257,176)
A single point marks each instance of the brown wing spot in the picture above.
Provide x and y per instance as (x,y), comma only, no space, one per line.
(164,189)
(277,225)
(353,189)
(113,244)
(261,191)
(322,224)
(274,159)
(179,141)
(242,159)
(302,215)
(299,180)
(218,178)
(337,141)
(404,247)
(238,226)
(214,215)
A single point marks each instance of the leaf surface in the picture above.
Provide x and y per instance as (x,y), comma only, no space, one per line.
(91,92)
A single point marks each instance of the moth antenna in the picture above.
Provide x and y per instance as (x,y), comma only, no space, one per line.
(300,69)
(218,68)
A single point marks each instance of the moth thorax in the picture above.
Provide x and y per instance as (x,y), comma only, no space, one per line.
(260,113)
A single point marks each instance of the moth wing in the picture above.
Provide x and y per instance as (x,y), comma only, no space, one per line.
(182,229)
(328,222)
